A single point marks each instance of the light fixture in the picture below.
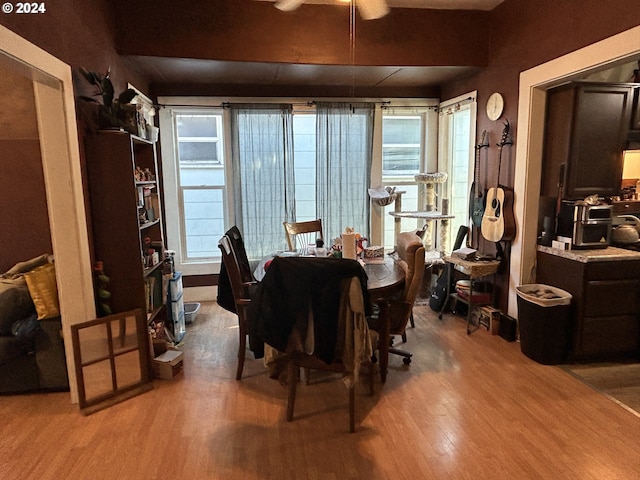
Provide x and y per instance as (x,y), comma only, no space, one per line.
(369,9)
(631,165)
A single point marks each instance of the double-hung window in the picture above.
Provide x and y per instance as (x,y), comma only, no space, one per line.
(195,187)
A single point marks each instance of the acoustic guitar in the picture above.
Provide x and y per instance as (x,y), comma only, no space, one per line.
(498,222)
(476,198)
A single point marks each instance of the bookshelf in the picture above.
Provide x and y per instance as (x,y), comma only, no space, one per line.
(126,220)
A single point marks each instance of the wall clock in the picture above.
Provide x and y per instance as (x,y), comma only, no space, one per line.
(495,106)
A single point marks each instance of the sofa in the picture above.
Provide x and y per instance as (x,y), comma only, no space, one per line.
(32,355)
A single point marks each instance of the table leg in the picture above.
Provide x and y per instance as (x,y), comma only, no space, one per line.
(384,340)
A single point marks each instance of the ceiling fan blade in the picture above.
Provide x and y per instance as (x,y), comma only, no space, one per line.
(288,5)
(372,9)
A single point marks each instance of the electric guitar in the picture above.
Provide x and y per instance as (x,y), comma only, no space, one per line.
(498,222)
(476,200)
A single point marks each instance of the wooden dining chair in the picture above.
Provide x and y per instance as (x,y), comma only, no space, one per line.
(357,351)
(398,312)
(314,312)
(236,277)
(301,234)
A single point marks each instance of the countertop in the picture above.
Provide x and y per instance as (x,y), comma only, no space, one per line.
(608,254)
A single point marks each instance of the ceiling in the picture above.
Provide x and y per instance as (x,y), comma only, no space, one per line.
(165,73)
(439,4)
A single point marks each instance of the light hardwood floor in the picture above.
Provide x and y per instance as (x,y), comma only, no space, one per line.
(467,407)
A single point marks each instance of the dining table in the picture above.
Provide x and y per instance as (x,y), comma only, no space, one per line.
(385,282)
(385,275)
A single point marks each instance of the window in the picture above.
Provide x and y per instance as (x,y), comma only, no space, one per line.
(457,133)
(201,184)
(201,200)
(403,156)
(194,185)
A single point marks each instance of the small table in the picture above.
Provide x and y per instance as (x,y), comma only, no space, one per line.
(385,278)
(473,269)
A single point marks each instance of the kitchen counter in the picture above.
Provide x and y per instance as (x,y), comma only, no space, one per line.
(608,254)
(605,305)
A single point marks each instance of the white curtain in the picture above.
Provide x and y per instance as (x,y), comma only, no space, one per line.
(343,161)
(263,174)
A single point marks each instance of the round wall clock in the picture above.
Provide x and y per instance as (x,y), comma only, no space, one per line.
(495,106)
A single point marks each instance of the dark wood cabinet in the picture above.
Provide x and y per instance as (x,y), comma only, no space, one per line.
(126,220)
(605,304)
(586,130)
(635,116)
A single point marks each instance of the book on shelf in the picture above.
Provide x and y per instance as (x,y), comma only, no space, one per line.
(149,288)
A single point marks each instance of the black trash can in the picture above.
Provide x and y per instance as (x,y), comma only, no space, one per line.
(545,322)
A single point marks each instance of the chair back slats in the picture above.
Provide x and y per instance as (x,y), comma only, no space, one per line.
(301,234)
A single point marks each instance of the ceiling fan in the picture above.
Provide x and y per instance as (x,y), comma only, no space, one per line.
(369,9)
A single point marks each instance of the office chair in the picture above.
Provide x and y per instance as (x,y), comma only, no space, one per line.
(399,312)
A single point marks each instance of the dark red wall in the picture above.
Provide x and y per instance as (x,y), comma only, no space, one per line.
(24,218)
(522,35)
(80,33)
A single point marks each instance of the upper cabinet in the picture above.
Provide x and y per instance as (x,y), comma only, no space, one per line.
(586,130)
(635,118)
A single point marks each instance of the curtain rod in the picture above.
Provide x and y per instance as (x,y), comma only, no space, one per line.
(384,104)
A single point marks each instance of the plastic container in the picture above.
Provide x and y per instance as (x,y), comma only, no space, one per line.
(190,311)
(545,323)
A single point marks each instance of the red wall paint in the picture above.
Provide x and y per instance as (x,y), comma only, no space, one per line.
(24,218)
(80,33)
(522,35)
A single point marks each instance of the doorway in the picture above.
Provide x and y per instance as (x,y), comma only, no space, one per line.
(534,83)
(56,134)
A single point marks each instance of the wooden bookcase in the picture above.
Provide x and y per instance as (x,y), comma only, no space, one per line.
(123,232)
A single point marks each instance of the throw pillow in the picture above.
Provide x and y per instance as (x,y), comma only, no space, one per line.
(44,291)
(25,329)
(15,303)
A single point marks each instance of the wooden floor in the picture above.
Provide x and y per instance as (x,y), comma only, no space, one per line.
(468,407)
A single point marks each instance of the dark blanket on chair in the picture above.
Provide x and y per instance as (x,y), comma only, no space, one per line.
(293,284)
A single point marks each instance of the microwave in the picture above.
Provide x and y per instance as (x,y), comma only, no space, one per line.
(588,226)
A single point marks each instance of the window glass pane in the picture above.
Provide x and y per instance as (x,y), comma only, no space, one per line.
(198,151)
(401,129)
(401,144)
(197,126)
(304,151)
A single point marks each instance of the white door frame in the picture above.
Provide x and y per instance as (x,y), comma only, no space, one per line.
(528,168)
(58,131)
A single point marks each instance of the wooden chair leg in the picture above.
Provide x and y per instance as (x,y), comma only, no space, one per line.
(293,374)
(352,409)
(372,372)
(242,345)
(413,325)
